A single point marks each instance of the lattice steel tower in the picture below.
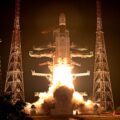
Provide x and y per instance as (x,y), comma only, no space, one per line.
(102,90)
(14,78)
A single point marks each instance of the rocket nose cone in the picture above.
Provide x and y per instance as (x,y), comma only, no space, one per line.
(62,19)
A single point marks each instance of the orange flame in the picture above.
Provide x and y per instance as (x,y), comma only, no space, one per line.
(62,76)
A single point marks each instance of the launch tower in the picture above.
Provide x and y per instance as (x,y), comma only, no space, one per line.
(14,78)
(102,90)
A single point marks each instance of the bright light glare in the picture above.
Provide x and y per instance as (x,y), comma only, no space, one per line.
(62,75)
(89,104)
(77,97)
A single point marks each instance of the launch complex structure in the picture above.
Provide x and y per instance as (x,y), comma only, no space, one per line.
(14,78)
(61,51)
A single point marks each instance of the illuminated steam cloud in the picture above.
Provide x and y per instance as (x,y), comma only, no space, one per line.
(61,91)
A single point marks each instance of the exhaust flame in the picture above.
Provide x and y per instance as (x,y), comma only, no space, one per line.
(62,76)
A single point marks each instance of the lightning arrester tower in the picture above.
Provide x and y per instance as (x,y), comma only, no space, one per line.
(102,90)
(14,78)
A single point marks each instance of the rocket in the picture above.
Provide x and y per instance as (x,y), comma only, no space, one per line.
(60,52)
(62,42)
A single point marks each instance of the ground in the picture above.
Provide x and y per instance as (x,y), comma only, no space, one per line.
(81,117)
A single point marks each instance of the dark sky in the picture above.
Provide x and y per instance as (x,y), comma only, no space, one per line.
(39,15)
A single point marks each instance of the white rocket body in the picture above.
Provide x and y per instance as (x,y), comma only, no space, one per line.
(62,41)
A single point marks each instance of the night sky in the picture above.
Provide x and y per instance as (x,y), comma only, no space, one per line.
(41,15)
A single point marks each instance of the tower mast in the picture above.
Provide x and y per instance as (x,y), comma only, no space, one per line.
(14,78)
(102,90)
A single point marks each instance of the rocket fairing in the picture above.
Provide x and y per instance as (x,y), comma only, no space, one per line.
(62,20)
(62,41)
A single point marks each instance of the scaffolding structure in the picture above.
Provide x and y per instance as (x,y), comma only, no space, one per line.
(14,78)
(102,90)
